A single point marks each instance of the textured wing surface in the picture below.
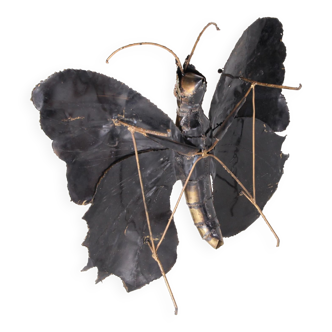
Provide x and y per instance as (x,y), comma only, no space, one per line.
(234,211)
(259,56)
(77,109)
(117,223)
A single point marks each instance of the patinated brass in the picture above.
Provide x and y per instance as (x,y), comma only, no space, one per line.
(200,206)
(189,83)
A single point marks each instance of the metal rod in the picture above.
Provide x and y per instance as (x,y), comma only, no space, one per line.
(151,242)
(149,43)
(197,40)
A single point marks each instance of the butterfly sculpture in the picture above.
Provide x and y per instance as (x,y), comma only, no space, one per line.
(124,155)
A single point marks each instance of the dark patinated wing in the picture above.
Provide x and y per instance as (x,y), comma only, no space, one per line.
(118,231)
(234,211)
(81,112)
(258,56)
(77,111)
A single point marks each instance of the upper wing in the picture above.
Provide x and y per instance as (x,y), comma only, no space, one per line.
(77,109)
(117,222)
(259,56)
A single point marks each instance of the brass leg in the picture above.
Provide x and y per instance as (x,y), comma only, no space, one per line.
(151,242)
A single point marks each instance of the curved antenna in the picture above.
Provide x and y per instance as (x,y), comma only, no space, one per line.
(186,63)
(148,43)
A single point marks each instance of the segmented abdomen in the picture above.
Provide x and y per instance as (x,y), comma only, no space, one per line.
(199,199)
(195,127)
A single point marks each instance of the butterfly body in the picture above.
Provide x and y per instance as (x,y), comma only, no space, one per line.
(196,128)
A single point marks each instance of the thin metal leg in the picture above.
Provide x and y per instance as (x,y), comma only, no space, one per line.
(252,201)
(151,242)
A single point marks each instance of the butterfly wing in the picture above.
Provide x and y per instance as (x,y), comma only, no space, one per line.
(117,223)
(258,56)
(77,111)
(81,111)
(235,213)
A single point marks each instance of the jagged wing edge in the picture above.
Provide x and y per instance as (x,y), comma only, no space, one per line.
(284,156)
(101,277)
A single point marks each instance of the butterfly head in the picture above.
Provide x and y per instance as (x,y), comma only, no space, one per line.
(190,86)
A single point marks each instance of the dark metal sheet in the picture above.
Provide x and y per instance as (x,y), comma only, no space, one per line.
(235,212)
(259,56)
(77,110)
(117,222)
